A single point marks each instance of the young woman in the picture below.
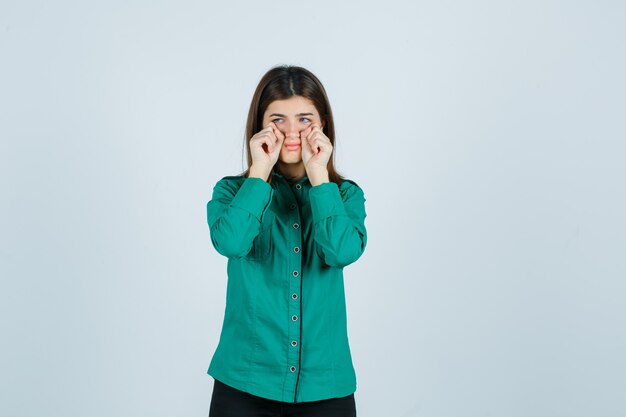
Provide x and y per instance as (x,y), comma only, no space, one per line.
(288,225)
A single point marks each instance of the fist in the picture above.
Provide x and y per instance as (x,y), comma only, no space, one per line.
(265,146)
(316,148)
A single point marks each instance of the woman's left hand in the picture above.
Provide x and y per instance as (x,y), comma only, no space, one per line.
(316,149)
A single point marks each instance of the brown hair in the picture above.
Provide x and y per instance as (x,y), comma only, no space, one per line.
(283,82)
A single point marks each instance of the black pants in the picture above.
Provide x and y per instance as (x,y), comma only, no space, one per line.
(227,401)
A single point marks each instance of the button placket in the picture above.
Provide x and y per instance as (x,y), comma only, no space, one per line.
(294,293)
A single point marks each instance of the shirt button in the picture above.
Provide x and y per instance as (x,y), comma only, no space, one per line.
(292,369)
(296,249)
(298,186)
(295,273)
(296,225)
(294,296)
(294,343)
(294,318)
(292,206)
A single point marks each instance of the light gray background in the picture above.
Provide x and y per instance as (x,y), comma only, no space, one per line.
(488,137)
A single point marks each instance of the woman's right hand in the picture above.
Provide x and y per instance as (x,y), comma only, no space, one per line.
(265,146)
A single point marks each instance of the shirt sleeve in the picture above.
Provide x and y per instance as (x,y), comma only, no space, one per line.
(234,214)
(338,222)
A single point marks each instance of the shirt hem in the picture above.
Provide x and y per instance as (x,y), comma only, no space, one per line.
(273,395)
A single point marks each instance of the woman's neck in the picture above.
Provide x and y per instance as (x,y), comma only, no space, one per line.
(292,172)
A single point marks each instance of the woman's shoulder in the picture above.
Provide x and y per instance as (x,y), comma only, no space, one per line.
(349,187)
(233,178)
(348,183)
(229,184)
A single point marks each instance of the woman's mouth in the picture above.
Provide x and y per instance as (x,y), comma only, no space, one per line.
(294,147)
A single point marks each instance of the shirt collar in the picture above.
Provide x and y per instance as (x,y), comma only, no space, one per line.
(302,180)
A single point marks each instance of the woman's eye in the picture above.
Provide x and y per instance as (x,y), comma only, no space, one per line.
(303,119)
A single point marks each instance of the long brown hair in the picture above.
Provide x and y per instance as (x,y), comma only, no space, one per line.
(281,83)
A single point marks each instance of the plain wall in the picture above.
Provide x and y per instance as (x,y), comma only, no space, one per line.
(488,137)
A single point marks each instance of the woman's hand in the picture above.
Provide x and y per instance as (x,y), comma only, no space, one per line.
(265,146)
(316,149)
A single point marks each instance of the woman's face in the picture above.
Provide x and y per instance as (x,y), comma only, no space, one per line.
(291,116)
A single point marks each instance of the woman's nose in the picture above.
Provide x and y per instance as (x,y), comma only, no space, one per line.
(291,130)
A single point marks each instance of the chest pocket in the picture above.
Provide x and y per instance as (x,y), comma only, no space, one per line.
(262,245)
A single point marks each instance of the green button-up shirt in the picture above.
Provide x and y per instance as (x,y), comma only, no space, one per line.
(284,335)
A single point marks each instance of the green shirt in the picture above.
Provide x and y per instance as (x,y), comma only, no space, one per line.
(284,335)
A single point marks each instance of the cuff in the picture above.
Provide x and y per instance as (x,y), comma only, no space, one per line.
(326,201)
(254,196)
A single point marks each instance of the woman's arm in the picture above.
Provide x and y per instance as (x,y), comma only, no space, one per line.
(234,214)
(339,222)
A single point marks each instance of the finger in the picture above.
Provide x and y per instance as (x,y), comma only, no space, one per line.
(304,138)
(317,134)
(321,144)
(315,137)
(279,136)
(264,137)
(315,126)
(270,130)
(315,145)
(269,139)
(322,138)
(304,135)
